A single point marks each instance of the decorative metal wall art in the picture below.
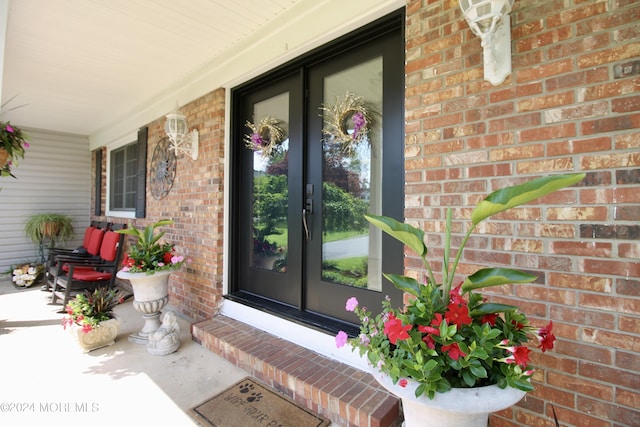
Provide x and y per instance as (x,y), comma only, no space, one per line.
(163,169)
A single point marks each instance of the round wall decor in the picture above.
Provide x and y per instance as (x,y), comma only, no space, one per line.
(163,169)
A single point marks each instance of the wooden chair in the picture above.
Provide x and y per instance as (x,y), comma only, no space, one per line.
(76,274)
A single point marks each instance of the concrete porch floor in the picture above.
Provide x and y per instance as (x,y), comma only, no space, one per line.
(47,380)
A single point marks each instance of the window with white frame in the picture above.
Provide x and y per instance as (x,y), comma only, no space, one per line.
(123,178)
(126,177)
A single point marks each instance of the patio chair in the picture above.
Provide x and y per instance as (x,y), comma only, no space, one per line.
(90,249)
(76,274)
(83,249)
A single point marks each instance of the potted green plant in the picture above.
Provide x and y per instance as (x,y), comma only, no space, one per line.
(48,227)
(448,338)
(91,319)
(147,265)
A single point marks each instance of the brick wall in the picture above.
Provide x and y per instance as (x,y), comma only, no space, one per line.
(572,103)
(195,203)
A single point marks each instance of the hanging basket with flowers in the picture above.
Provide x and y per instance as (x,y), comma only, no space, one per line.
(12,147)
(266,136)
(449,336)
(347,122)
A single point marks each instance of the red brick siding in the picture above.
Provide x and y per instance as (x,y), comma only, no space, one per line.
(195,203)
(571,104)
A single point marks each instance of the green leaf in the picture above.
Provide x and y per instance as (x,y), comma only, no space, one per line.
(404,283)
(468,378)
(478,371)
(406,233)
(523,385)
(509,197)
(487,277)
(491,308)
(430,365)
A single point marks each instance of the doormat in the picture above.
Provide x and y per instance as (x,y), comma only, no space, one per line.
(249,403)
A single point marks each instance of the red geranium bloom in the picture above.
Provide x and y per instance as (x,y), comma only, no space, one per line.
(458,314)
(428,338)
(166,258)
(490,319)
(453,351)
(455,296)
(437,320)
(394,330)
(517,325)
(429,330)
(519,355)
(127,261)
(546,337)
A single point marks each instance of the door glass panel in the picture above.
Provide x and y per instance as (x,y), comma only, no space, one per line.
(352,175)
(270,185)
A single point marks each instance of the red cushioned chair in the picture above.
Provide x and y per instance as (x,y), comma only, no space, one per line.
(90,249)
(74,275)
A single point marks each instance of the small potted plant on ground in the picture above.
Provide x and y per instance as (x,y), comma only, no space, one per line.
(91,319)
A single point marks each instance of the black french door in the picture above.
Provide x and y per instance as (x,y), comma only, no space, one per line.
(316,145)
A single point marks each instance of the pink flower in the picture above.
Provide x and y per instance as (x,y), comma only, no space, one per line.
(364,340)
(359,122)
(403,382)
(26,144)
(341,339)
(352,303)
(176,259)
(9,128)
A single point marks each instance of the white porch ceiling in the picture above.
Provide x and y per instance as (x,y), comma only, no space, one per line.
(78,65)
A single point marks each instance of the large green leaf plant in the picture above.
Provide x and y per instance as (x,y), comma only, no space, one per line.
(149,254)
(449,336)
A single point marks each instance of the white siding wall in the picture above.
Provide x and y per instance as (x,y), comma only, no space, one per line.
(54,177)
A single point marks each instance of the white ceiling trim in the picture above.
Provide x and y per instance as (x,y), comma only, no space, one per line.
(103,68)
(299,31)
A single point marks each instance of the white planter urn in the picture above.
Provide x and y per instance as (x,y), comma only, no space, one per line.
(103,335)
(150,296)
(459,407)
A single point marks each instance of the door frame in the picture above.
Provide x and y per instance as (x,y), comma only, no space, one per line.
(392,22)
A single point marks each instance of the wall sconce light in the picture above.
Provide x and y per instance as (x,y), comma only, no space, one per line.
(489,20)
(182,141)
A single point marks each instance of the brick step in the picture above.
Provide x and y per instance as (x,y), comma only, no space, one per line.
(345,395)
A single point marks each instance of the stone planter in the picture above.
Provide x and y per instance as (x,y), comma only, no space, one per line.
(150,296)
(105,334)
(459,407)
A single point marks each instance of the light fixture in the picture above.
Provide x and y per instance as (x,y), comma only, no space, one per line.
(182,141)
(489,20)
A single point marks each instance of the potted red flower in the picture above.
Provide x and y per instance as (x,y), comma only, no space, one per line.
(449,339)
(147,266)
